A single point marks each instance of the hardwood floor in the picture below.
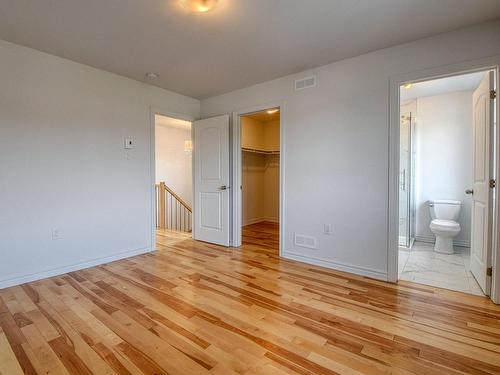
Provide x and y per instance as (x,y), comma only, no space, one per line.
(194,308)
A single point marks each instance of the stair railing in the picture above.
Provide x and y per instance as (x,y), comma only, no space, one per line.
(172,212)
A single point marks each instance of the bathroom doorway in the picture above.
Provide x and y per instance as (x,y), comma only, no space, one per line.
(446,181)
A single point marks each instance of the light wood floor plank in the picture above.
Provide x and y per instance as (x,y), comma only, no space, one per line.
(197,308)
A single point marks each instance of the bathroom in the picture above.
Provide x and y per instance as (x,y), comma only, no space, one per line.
(437,168)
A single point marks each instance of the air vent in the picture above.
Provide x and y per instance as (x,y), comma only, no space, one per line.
(302,240)
(305,83)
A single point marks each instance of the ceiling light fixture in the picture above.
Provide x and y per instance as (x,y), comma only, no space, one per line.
(199,6)
(152,76)
(271,111)
(408,85)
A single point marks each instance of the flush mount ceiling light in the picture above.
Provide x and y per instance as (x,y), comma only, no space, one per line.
(199,6)
(408,85)
(152,76)
(271,111)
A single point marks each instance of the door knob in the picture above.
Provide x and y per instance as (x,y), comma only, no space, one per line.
(469,191)
(224,187)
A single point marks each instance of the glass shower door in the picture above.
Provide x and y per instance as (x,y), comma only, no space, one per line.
(404,180)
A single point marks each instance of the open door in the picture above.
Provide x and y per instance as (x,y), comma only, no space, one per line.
(211,180)
(482,115)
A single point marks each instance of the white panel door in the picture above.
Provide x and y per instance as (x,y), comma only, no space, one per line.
(211,180)
(482,107)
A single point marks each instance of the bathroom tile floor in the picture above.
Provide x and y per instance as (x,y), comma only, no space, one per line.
(421,264)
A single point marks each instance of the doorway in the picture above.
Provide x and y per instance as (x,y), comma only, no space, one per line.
(218,172)
(260,177)
(447,172)
(174,176)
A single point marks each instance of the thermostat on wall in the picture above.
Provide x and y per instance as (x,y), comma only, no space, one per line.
(129,143)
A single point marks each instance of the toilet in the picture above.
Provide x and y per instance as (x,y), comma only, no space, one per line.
(444,225)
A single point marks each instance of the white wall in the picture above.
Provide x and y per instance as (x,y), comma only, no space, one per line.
(63,165)
(443,138)
(173,164)
(336,144)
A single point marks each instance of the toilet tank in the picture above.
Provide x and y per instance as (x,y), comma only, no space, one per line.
(445,209)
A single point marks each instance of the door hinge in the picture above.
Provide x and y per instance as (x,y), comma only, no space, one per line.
(493,184)
(493,94)
(489,271)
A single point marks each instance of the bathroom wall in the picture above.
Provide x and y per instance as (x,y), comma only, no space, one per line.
(443,135)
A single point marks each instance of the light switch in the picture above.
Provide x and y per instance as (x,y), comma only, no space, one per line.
(129,143)
(327,229)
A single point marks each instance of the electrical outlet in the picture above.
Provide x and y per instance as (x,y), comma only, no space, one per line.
(327,229)
(56,234)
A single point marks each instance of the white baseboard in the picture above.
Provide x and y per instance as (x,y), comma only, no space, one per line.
(70,268)
(338,266)
(403,239)
(271,219)
(432,239)
(252,221)
(260,219)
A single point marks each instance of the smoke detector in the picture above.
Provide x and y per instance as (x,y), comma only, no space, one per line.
(152,76)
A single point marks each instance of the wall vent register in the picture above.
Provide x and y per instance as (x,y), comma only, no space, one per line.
(302,240)
(305,83)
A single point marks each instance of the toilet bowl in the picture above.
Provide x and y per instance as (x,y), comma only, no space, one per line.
(444,225)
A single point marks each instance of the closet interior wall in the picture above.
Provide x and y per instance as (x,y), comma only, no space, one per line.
(260,170)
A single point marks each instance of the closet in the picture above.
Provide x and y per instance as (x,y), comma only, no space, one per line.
(260,146)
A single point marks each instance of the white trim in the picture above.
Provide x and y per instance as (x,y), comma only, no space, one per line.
(236,202)
(154,110)
(261,219)
(70,268)
(487,63)
(339,266)
(236,161)
(432,239)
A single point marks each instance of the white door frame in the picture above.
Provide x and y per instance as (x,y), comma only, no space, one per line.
(155,110)
(237,205)
(489,63)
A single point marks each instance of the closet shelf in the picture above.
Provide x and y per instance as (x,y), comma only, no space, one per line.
(245,149)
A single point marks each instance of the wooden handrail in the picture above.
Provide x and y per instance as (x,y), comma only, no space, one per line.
(172,211)
(181,201)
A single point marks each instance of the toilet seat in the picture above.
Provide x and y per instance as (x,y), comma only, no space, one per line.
(445,225)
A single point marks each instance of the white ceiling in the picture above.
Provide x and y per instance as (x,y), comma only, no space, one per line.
(441,86)
(240,43)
